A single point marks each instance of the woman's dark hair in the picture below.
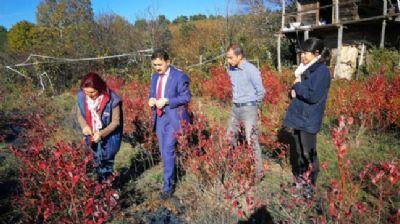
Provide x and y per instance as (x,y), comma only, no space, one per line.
(160,54)
(93,80)
(315,45)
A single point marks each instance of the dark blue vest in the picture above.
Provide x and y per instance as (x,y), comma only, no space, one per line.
(112,142)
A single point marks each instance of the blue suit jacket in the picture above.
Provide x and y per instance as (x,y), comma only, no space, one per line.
(178,93)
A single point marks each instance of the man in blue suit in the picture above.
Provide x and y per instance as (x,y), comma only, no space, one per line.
(169,97)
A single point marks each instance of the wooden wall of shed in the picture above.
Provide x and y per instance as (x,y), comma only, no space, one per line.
(368,33)
(354,37)
(347,12)
(310,17)
(370,8)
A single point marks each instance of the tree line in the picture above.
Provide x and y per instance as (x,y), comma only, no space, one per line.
(69,29)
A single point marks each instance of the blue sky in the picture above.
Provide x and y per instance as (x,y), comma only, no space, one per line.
(13,11)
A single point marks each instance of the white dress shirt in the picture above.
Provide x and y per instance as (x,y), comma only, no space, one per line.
(164,83)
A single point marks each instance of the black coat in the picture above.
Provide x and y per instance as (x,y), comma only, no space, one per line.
(306,111)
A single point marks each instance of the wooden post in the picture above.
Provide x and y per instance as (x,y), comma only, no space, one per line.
(299,9)
(382,44)
(336,11)
(362,55)
(306,34)
(361,59)
(258,63)
(278,49)
(398,4)
(339,49)
(384,7)
(279,52)
(333,16)
(317,14)
(283,13)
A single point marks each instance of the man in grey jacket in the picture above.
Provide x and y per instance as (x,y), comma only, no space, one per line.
(248,93)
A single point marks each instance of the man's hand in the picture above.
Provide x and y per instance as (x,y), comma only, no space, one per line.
(96,137)
(162,102)
(152,102)
(87,131)
(259,109)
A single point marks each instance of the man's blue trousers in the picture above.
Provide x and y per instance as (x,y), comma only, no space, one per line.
(167,142)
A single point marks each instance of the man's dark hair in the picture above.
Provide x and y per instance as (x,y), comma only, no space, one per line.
(160,54)
(236,48)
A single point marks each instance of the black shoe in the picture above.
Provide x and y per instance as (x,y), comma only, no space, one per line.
(166,195)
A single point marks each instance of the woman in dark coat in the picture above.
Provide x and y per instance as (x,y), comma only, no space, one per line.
(304,115)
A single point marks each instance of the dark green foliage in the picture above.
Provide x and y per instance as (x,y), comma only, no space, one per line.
(187,28)
(3,38)
(198,17)
(389,62)
(180,19)
(19,38)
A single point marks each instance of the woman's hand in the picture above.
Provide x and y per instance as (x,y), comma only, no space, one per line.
(87,131)
(96,137)
(152,102)
(293,93)
(298,79)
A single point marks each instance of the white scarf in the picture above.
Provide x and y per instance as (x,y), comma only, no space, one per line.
(94,106)
(302,67)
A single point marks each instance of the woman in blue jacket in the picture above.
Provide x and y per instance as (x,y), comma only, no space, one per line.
(304,115)
(100,117)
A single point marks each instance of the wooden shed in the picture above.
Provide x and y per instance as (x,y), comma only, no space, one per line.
(348,27)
